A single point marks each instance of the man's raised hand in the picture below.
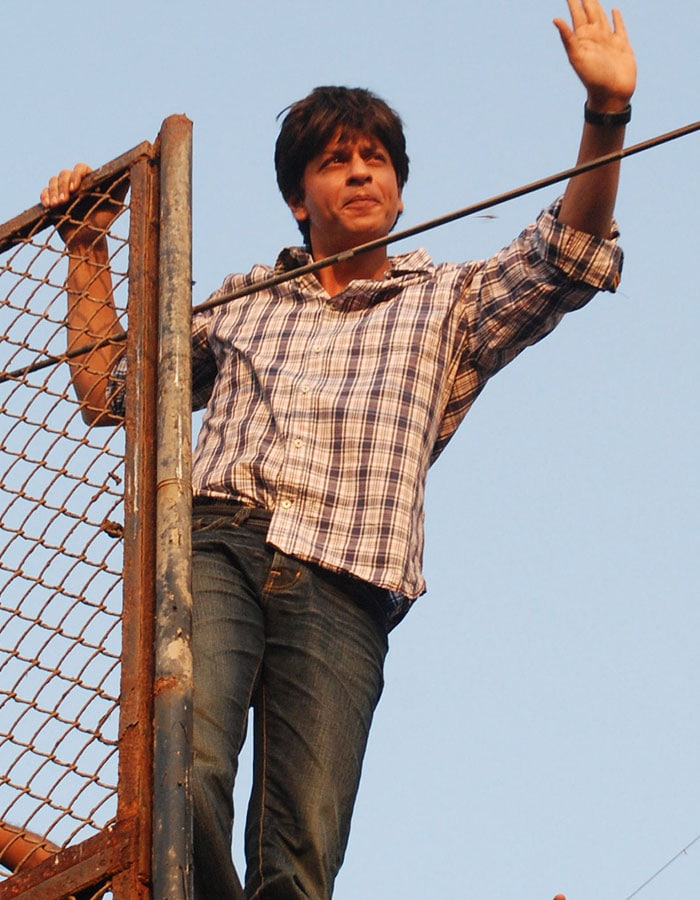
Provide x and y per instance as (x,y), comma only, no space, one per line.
(600,53)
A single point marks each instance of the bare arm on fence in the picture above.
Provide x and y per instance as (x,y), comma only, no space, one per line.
(601,55)
(19,847)
(91,313)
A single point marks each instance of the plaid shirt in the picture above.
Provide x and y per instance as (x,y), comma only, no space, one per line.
(329,410)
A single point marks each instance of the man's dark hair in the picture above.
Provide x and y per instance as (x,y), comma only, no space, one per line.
(310,124)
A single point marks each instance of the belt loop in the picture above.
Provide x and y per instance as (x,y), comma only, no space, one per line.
(242,515)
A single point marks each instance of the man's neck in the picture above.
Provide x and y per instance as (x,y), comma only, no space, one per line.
(371,266)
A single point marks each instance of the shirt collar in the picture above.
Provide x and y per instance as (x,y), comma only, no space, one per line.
(415,261)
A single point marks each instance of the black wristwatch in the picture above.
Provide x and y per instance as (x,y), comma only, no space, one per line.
(608,120)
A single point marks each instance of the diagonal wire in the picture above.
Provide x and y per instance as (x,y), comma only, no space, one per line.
(54,359)
(505,197)
(663,868)
(395,236)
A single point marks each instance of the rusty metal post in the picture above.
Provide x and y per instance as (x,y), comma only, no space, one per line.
(172,828)
(136,691)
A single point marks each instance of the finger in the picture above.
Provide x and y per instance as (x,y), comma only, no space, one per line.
(619,25)
(80,170)
(54,192)
(595,13)
(63,184)
(565,32)
(50,194)
(577,12)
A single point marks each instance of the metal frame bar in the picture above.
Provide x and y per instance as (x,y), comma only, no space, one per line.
(136,706)
(172,825)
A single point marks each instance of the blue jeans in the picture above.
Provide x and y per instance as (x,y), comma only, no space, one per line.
(306,649)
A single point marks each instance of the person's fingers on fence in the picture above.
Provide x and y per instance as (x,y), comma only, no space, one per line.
(87,219)
(61,186)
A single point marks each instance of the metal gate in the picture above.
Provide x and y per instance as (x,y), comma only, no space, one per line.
(95,672)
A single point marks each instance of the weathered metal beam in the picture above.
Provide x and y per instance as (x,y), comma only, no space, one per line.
(172,828)
(74,868)
(136,695)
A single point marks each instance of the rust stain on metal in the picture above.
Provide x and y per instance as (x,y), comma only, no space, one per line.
(163,685)
(113,529)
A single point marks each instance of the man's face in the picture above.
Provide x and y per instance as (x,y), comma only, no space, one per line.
(350,195)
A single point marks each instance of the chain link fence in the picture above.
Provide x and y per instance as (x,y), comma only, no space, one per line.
(77,554)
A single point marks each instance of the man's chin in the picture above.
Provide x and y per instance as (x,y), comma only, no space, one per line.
(356,236)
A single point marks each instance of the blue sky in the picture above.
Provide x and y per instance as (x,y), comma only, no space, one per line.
(538,731)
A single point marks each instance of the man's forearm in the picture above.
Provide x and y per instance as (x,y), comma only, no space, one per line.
(90,319)
(589,199)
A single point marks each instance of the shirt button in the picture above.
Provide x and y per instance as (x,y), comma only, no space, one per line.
(286,504)
(305,389)
(298,442)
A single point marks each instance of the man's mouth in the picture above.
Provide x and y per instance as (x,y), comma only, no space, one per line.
(361,200)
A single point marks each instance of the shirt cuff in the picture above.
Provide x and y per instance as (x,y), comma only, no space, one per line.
(115,387)
(579,256)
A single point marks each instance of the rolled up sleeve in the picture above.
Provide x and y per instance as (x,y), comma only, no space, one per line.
(581,257)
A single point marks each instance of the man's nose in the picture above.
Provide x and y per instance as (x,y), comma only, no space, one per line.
(359,172)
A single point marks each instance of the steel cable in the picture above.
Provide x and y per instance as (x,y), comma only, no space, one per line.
(391,238)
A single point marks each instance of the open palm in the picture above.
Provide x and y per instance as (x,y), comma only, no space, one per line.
(600,54)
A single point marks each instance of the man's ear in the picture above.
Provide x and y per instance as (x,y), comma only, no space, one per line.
(399,209)
(298,208)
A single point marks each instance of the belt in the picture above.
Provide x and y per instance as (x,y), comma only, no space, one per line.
(228,512)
